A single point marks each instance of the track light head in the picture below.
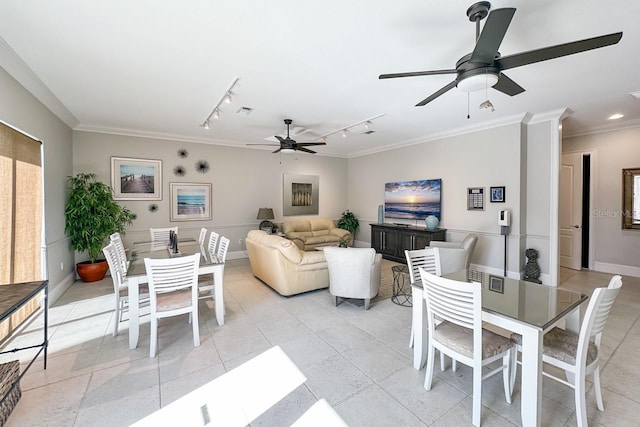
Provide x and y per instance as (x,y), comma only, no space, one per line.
(206,125)
(344,133)
(216,114)
(227,98)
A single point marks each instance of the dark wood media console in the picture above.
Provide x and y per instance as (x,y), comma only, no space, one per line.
(392,240)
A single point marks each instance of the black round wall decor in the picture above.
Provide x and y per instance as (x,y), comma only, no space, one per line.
(179,171)
(182,153)
(202,166)
(153,208)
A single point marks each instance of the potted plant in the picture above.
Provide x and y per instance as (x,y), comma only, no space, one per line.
(91,215)
(349,222)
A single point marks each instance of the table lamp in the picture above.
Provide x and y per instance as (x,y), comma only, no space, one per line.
(265,214)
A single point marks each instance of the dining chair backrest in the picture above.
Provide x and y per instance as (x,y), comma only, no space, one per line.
(203,236)
(116,240)
(162,234)
(213,241)
(595,317)
(222,249)
(428,259)
(117,276)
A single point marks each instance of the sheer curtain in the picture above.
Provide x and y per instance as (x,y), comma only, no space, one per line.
(21,212)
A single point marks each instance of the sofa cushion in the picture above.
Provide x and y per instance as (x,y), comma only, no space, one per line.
(321,224)
(296,226)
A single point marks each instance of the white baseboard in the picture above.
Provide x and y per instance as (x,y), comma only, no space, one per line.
(237,255)
(56,292)
(625,270)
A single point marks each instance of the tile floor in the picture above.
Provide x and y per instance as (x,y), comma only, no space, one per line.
(359,361)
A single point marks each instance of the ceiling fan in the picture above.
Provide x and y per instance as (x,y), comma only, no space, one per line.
(288,145)
(483,67)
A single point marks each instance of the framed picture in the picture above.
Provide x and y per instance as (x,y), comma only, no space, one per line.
(475,198)
(190,201)
(497,194)
(300,194)
(496,284)
(136,179)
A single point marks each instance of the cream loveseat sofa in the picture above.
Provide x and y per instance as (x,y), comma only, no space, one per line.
(309,234)
(280,264)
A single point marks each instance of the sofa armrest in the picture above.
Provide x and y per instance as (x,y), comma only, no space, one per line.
(312,257)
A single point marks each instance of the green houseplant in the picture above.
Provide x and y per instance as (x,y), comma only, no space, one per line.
(349,222)
(91,215)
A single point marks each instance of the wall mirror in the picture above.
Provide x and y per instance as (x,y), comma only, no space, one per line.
(631,198)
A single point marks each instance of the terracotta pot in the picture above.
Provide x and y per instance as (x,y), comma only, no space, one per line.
(92,272)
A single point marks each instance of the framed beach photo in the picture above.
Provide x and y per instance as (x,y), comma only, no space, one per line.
(136,179)
(190,201)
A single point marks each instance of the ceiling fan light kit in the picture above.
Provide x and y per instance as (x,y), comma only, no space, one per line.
(484,66)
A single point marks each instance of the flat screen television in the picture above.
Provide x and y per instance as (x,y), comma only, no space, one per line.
(412,199)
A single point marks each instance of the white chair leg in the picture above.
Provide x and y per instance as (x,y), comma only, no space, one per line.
(596,386)
(154,337)
(506,375)
(366,303)
(443,362)
(513,369)
(196,329)
(411,337)
(428,375)
(116,319)
(477,395)
(454,365)
(337,300)
(581,401)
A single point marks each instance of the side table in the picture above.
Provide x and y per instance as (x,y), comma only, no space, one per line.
(401,286)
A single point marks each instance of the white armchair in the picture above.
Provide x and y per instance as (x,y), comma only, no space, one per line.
(468,244)
(353,273)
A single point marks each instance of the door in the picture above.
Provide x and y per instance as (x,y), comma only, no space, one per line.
(571,211)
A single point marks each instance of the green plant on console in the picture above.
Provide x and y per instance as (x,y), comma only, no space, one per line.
(349,222)
(91,214)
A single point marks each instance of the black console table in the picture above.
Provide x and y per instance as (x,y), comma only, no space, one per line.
(392,240)
(12,297)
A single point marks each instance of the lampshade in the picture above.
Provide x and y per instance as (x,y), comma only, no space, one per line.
(265,213)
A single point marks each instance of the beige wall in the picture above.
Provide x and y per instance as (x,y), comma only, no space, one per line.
(616,250)
(242,179)
(18,108)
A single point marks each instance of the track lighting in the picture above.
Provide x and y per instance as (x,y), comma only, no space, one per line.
(346,129)
(215,113)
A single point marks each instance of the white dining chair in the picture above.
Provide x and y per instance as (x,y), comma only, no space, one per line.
(161,235)
(206,282)
(213,242)
(203,236)
(460,335)
(173,288)
(116,239)
(429,259)
(578,354)
(120,285)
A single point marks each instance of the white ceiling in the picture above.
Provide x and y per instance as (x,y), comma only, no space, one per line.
(158,67)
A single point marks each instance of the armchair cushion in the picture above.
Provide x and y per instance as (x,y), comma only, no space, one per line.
(468,244)
(353,272)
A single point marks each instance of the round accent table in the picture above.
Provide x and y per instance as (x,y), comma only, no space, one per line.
(401,286)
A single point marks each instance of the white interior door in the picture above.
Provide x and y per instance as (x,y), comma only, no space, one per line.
(571,211)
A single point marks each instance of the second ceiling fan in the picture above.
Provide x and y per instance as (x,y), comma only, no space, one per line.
(288,145)
(483,67)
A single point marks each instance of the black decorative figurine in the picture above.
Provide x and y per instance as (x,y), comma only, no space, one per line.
(532,269)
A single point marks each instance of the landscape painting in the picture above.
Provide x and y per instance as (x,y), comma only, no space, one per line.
(136,179)
(190,201)
(412,199)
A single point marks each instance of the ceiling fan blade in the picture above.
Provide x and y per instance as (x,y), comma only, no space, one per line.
(492,34)
(557,51)
(279,138)
(303,144)
(277,151)
(507,86)
(306,150)
(417,73)
(437,94)
(270,145)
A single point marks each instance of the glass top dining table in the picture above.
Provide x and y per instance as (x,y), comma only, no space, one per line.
(137,274)
(527,308)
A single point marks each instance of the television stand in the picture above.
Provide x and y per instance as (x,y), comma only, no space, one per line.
(397,224)
(392,240)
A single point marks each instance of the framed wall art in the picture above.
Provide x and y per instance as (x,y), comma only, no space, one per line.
(496,284)
(136,179)
(190,201)
(300,194)
(497,194)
